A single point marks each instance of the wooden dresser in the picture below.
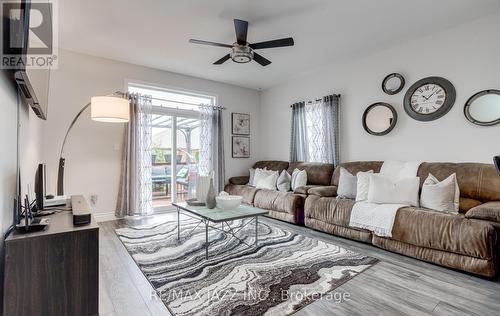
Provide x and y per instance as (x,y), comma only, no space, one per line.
(53,272)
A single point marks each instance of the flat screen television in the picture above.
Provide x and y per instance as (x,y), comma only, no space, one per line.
(33,81)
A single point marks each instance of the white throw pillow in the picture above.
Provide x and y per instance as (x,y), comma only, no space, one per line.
(299,179)
(362,185)
(347,184)
(268,182)
(386,191)
(441,196)
(261,174)
(284,182)
(252,176)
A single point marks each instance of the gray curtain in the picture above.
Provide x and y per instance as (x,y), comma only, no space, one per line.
(135,191)
(315,131)
(212,145)
(298,143)
(330,123)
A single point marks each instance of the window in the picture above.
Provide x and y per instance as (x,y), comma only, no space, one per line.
(315,131)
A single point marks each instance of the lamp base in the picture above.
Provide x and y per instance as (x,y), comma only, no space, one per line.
(60,177)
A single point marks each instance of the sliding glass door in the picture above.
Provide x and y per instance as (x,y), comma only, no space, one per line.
(175,155)
(175,149)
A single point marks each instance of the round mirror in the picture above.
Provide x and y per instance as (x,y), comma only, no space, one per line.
(393,83)
(483,108)
(379,119)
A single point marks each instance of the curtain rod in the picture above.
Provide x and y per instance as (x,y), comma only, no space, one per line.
(313,101)
(187,103)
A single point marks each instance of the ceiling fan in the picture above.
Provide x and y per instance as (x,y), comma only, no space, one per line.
(241,50)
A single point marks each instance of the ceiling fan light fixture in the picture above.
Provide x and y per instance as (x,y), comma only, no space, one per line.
(241,54)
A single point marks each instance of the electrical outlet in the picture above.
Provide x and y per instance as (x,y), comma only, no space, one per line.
(93,200)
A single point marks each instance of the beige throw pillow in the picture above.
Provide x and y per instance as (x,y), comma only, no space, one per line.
(260,174)
(362,185)
(284,182)
(347,184)
(383,190)
(268,182)
(441,196)
(299,179)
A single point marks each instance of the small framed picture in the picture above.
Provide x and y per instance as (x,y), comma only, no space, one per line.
(241,147)
(240,123)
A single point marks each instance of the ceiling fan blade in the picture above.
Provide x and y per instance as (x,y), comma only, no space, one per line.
(241,28)
(195,41)
(261,60)
(274,43)
(222,60)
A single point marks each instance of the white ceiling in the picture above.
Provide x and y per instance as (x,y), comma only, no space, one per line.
(155,33)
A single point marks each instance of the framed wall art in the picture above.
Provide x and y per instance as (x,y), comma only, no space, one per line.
(241,147)
(240,123)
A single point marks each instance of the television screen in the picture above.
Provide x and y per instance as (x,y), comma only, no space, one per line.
(34,78)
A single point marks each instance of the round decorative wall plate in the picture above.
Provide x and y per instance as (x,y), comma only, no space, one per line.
(393,83)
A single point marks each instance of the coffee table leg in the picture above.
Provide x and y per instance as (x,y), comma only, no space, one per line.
(178,224)
(256,230)
(206,240)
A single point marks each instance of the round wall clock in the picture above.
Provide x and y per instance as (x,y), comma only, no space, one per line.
(429,99)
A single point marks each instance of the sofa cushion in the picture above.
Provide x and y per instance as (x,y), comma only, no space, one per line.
(317,173)
(330,210)
(239,180)
(488,211)
(355,167)
(275,165)
(347,232)
(285,202)
(466,204)
(246,191)
(305,189)
(477,181)
(324,191)
(485,267)
(442,231)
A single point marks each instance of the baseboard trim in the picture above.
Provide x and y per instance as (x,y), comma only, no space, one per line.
(104,216)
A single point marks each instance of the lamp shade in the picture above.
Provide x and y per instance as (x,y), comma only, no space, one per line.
(109,109)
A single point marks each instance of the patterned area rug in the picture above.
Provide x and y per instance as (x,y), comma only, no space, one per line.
(286,272)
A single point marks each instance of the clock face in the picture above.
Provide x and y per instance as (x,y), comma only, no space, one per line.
(428,98)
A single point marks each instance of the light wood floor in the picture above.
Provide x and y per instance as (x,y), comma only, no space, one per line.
(397,285)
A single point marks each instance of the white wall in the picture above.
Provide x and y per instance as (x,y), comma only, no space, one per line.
(467,55)
(29,150)
(93,152)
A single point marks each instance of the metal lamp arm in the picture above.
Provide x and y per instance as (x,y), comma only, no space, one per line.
(60,173)
(71,126)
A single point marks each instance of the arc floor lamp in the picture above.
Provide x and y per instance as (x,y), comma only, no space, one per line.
(113,108)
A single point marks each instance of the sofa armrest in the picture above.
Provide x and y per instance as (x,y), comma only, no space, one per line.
(239,180)
(489,211)
(324,191)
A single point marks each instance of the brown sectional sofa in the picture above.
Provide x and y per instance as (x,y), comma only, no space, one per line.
(286,206)
(466,242)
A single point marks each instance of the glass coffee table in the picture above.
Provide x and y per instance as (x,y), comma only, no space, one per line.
(210,217)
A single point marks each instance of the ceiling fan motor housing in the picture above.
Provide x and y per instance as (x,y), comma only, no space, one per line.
(241,54)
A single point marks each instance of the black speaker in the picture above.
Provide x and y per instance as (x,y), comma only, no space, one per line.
(40,186)
(496,161)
